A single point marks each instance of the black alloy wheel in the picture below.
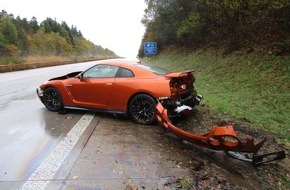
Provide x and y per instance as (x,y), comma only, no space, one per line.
(142,109)
(52,99)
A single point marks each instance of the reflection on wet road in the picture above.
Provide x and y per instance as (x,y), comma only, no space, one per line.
(48,168)
(28,131)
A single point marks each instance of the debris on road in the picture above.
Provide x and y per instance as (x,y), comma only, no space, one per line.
(220,138)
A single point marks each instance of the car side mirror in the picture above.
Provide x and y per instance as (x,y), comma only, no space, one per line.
(81,77)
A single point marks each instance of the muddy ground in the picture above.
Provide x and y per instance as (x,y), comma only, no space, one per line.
(216,169)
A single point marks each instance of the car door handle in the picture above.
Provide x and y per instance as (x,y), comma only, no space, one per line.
(109,83)
(68,85)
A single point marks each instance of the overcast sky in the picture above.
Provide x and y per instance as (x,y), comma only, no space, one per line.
(113,24)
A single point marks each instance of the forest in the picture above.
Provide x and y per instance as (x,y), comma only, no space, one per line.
(20,37)
(227,25)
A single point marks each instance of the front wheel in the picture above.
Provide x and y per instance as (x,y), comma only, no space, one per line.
(142,109)
(52,99)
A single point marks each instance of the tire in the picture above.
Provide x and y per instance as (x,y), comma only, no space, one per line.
(142,109)
(52,99)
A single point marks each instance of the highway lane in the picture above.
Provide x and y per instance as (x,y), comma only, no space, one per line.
(28,131)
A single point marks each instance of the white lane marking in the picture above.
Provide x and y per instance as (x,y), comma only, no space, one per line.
(47,169)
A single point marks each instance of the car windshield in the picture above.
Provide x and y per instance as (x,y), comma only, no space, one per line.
(154,69)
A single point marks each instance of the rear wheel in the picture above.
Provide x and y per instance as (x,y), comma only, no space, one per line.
(52,99)
(142,109)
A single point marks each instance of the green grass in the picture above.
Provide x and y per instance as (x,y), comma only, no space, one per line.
(13,59)
(251,87)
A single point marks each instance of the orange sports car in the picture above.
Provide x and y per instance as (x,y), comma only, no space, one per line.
(121,86)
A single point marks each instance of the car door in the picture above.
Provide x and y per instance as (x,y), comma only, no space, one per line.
(123,89)
(94,86)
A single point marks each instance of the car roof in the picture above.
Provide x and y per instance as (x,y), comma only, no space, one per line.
(119,62)
(129,64)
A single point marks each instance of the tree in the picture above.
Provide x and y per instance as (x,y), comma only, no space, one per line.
(34,25)
(49,38)
(11,50)
(8,30)
(2,44)
(231,24)
(38,45)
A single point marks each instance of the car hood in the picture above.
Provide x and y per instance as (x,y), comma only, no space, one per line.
(67,76)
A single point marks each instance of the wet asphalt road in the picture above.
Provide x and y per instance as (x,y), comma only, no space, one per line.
(78,150)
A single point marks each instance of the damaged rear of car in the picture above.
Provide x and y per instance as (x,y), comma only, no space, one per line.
(183,95)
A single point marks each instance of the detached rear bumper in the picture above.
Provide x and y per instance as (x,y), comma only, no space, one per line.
(219,138)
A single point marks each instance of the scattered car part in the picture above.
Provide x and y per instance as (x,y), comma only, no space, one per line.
(219,138)
(259,159)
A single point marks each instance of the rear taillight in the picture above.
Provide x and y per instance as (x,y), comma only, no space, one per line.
(183,86)
(177,85)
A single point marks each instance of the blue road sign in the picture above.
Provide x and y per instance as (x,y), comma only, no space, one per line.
(150,48)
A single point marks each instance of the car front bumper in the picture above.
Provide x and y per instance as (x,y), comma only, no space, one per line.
(39,93)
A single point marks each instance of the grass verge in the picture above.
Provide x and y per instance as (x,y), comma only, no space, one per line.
(251,87)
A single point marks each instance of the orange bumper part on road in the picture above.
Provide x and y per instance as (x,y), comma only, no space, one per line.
(219,138)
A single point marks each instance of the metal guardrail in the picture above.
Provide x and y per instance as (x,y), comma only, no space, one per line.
(23,66)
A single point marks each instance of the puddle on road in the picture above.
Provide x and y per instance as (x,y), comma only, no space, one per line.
(28,134)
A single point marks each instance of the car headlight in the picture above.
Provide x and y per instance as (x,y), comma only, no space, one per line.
(39,92)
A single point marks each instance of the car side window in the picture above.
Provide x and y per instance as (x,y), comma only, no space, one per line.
(101,71)
(122,72)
